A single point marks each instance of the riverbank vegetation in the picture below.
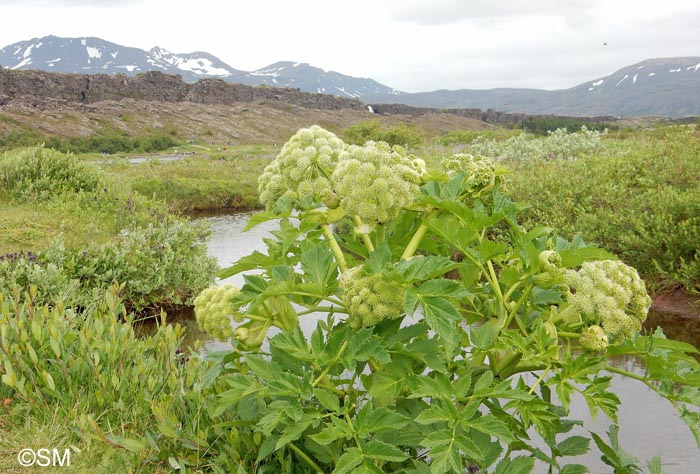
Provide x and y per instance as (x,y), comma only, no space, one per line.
(95,234)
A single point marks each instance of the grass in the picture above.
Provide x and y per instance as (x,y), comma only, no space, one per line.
(214,179)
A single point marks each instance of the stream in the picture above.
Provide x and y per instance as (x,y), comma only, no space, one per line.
(649,425)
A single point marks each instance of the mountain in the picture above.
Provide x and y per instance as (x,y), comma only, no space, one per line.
(664,87)
(97,56)
(313,79)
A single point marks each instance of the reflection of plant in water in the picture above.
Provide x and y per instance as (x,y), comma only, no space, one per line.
(436,312)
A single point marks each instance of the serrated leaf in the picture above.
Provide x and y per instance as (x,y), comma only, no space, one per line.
(574,469)
(331,433)
(327,400)
(348,461)
(295,430)
(482,337)
(318,264)
(371,420)
(383,451)
(574,446)
(260,217)
(442,287)
(249,262)
(492,426)
(442,316)
(572,257)
(445,458)
(380,258)
(422,268)
(267,447)
(518,465)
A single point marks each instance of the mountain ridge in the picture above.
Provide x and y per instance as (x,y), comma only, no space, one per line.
(653,87)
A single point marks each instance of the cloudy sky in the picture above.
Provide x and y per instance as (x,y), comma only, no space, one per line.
(411,45)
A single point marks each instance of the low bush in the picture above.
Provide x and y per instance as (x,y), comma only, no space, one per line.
(640,199)
(41,172)
(402,134)
(157,265)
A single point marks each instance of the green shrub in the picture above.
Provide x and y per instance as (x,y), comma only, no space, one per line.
(544,125)
(640,199)
(402,134)
(158,264)
(41,172)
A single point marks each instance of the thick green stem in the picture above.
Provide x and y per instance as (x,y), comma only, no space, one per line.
(330,364)
(412,246)
(380,234)
(626,373)
(365,237)
(306,458)
(539,380)
(568,334)
(335,248)
(327,309)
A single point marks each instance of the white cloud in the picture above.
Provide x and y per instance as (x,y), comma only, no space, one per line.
(412,45)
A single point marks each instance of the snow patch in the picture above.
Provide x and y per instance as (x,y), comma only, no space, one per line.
(296,64)
(24,62)
(28,51)
(342,89)
(83,42)
(591,88)
(626,76)
(675,70)
(93,53)
(129,67)
(597,83)
(53,61)
(17,50)
(652,74)
(200,66)
(371,110)
(694,68)
(114,55)
(634,79)
(640,67)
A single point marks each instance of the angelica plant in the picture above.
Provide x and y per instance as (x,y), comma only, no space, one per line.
(434,308)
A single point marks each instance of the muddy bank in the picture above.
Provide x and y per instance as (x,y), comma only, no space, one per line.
(679,303)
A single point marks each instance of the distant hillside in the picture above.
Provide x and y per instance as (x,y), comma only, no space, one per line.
(661,87)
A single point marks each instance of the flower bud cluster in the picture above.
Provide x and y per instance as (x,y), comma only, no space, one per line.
(213,310)
(480,172)
(370,298)
(593,338)
(302,168)
(376,181)
(549,262)
(607,293)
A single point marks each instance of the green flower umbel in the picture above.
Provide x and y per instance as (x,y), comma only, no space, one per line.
(213,310)
(370,298)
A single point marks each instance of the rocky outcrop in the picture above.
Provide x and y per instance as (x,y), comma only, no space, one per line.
(489,115)
(153,86)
